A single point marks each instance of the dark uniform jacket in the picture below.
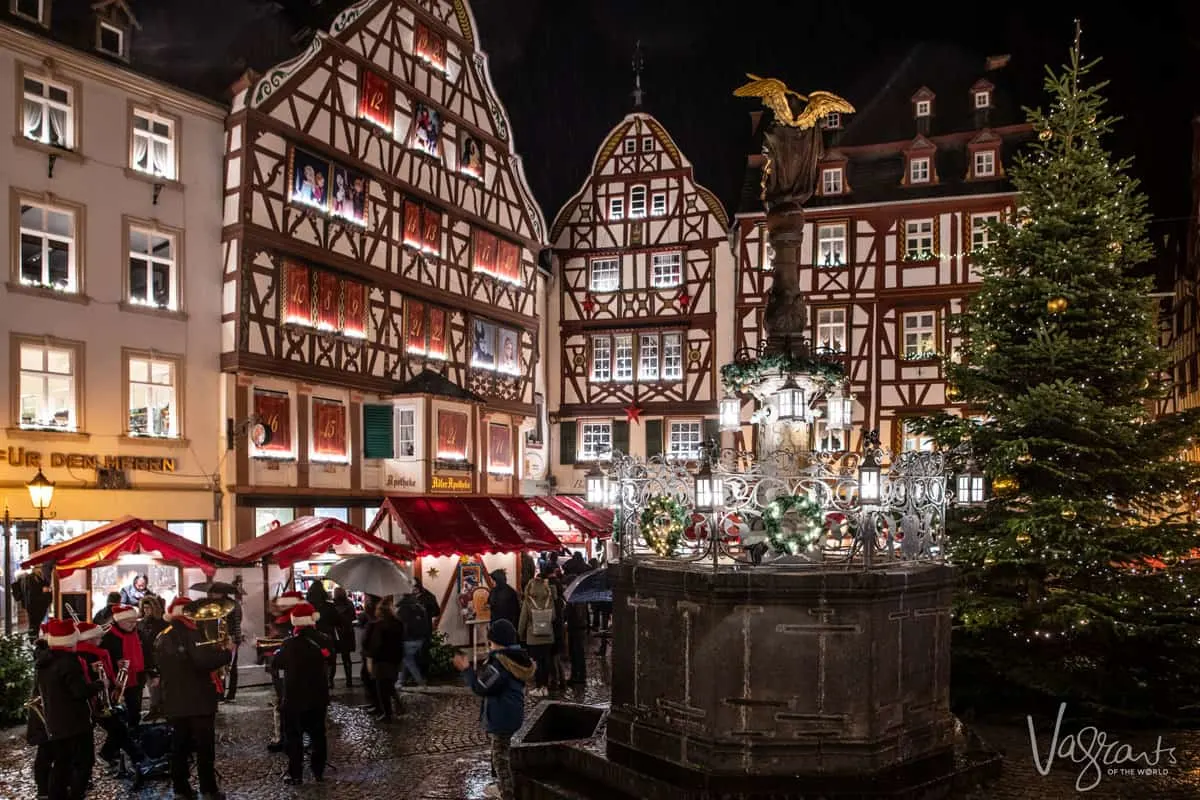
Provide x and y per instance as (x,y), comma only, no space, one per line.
(303,665)
(186,671)
(65,693)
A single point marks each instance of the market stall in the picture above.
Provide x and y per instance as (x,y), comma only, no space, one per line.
(109,558)
(576,526)
(458,542)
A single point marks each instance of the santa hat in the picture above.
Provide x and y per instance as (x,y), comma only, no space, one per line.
(304,615)
(288,600)
(89,631)
(124,613)
(61,633)
(178,602)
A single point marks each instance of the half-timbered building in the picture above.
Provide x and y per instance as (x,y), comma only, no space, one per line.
(381,279)
(642,258)
(905,191)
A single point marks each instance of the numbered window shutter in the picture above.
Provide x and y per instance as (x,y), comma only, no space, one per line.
(654,437)
(377,432)
(620,437)
(712,431)
(566,442)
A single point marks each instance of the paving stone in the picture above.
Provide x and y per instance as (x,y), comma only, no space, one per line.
(437,750)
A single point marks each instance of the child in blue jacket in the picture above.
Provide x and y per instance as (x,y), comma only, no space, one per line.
(500,681)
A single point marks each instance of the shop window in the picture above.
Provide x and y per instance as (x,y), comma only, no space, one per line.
(268,519)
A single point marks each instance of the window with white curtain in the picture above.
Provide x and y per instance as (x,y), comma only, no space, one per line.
(684,440)
(606,275)
(48,114)
(666,270)
(672,369)
(623,363)
(648,357)
(153,144)
(406,432)
(601,358)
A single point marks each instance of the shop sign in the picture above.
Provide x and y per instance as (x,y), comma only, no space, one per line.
(402,476)
(447,483)
(20,457)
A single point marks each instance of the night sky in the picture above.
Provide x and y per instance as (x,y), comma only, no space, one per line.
(562,69)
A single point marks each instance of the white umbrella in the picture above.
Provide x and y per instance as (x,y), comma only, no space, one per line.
(371,574)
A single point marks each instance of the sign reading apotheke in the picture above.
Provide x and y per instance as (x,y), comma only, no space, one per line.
(444,483)
(20,457)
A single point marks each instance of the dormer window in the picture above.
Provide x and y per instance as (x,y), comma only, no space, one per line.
(35,10)
(647,143)
(110,39)
(983,99)
(832,180)
(833,121)
(630,146)
(924,108)
(985,163)
(918,170)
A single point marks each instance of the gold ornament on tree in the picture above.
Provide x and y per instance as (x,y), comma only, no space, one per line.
(1057,305)
(1024,458)
(1068,513)
(1045,134)
(1115,247)
(1004,485)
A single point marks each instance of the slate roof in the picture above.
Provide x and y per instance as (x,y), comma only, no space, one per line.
(178,42)
(874,138)
(437,384)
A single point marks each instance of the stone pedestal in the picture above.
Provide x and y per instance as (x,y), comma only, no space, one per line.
(741,677)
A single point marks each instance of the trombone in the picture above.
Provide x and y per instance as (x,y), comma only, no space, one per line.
(203,612)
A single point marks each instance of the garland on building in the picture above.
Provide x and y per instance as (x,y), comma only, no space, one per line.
(803,535)
(663,522)
(740,376)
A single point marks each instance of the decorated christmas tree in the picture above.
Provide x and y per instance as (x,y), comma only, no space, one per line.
(1074,583)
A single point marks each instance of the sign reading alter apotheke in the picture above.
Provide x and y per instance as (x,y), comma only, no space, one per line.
(20,457)
(448,483)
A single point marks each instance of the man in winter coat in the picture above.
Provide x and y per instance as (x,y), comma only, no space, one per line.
(124,643)
(302,662)
(65,692)
(501,683)
(503,600)
(417,630)
(327,618)
(189,697)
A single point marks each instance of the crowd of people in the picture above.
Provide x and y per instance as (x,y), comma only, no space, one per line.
(94,675)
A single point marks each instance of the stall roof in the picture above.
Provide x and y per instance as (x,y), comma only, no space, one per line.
(306,537)
(593,522)
(442,526)
(127,536)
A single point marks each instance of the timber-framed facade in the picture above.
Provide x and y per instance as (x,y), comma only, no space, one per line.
(642,259)
(905,191)
(381,280)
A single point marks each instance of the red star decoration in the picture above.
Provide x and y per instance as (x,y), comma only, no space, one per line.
(633,413)
(589,305)
(684,300)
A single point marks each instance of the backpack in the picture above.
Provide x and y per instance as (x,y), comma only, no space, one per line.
(541,620)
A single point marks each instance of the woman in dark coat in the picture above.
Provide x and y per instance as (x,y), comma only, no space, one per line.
(345,632)
(385,648)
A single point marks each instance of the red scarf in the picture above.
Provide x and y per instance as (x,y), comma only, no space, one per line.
(131,651)
(99,652)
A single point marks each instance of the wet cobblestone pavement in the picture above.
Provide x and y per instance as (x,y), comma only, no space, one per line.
(437,751)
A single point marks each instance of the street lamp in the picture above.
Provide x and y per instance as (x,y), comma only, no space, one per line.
(41,492)
(709,499)
(731,414)
(596,485)
(869,473)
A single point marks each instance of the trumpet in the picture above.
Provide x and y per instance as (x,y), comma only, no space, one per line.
(102,705)
(118,692)
(34,706)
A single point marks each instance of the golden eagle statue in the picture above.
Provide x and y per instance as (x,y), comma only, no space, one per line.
(774,94)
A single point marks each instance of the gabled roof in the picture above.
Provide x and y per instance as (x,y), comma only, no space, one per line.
(884,103)
(608,149)
(303,538)
(438,385)
(127,536)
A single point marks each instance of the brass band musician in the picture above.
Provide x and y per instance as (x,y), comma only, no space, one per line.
(186,665)
(62,707)
(281,626)
(107,708)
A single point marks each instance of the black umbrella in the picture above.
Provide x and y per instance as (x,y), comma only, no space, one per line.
(220,587)
(590,587)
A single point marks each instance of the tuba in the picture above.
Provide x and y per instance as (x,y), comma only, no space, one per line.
(204,612)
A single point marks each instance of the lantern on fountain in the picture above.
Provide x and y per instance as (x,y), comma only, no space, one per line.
(969,485)
(791,402)
(839,411)
(597,487)
(731,414)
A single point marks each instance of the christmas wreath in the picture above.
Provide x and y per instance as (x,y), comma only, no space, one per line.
(803,535)
(740,376)
(663,521)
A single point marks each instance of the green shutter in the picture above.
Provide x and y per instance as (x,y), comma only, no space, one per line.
(654,438)
(378,441)
(620,436)
(712,431)
(566,442)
